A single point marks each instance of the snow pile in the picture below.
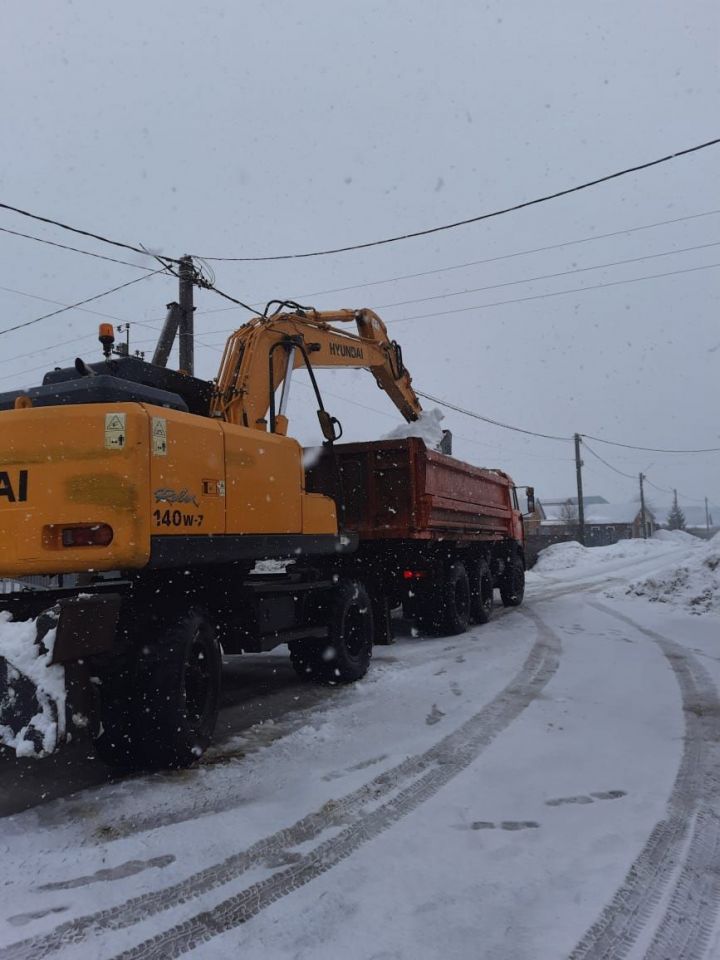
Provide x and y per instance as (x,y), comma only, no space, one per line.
(680,537)
(427,427)
(560,556)
(32,690)
(692,584)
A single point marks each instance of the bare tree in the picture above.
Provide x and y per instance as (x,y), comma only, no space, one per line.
(570,517)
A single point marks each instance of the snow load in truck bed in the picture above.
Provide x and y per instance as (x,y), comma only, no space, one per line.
(426,427)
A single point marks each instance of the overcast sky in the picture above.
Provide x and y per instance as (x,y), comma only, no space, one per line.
(241,129)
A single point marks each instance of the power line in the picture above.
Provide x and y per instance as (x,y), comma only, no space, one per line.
(384,413)
(23,373)
(629,476)
(59,303)
(535,296)
(549,436)
(82,233)
(427,397)
(495,423)
(630,446)
(656,487)
(86,336)
(484,216)
(434,399)
(210,286)
(80,303)
(477,263)
(52,346)
(504,256)
(549,276)
(681,495)
(361,246)
(557,293)
(64,246)
(68,361)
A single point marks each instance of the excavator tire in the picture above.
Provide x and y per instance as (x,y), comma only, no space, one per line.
(115,740)
(178,693)
(345,656)
(481,600)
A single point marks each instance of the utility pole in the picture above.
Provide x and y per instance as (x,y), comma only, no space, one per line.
(707,517)
(643,525)
(581,505)
(186,274)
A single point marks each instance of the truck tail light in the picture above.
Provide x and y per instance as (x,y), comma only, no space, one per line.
(414,574)
(88,535)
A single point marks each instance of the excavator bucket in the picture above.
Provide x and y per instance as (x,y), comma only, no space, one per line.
(32,688)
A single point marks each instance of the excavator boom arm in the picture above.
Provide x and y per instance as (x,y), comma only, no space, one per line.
(260,355)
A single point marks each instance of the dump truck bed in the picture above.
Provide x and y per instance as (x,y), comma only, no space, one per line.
(398,489)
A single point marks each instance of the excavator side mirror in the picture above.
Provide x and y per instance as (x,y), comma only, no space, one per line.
(330,426)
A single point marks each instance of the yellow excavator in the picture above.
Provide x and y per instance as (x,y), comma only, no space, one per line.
(152,494)
(147,496)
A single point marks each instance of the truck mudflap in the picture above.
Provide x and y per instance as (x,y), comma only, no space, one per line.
(32,687)
(35,715)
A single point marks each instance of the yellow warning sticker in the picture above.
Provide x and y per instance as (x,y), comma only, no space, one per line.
(114,431)
(159,436)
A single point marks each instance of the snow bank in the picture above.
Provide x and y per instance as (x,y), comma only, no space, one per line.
(427,427)
(692,584)
(31,679)
(681,537)
(563,556)
(559,557)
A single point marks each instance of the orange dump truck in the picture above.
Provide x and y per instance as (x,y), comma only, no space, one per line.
(435,534)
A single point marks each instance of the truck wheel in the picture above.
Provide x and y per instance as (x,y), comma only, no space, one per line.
(345,655)
(512,585)
(481,600)
(455,599)
(179,693)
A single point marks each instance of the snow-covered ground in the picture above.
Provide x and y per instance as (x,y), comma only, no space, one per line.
(544,786)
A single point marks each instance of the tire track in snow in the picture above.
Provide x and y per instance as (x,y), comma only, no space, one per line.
(229,799)
(684,930)
(391,795)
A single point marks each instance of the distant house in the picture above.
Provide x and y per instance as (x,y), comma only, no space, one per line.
(604,522)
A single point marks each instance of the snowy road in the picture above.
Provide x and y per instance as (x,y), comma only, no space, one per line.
(545,786)
(256,688)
